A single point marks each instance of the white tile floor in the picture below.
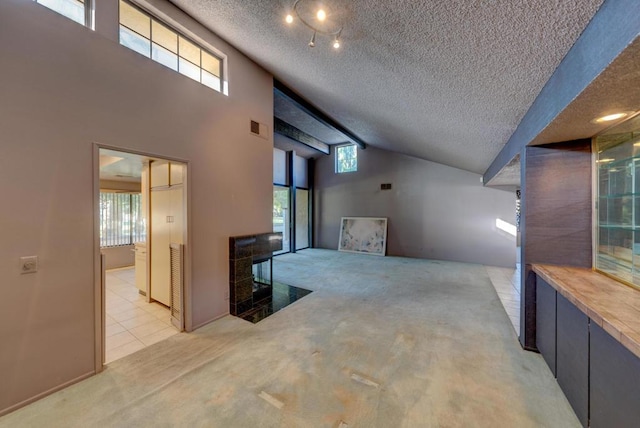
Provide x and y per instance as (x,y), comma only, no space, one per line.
(507,284)
(131,322)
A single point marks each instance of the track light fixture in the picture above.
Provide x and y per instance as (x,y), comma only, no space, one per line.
(318,19)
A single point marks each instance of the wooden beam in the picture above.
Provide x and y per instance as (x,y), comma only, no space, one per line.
(314,112)
(283,128)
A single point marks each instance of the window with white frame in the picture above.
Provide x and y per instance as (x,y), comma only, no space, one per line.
(150,37)
(346,158)
(121,219)
(72,9)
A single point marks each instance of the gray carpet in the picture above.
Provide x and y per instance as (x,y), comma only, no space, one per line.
(382,342)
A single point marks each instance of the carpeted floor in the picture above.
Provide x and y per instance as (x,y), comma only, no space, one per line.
(381,342)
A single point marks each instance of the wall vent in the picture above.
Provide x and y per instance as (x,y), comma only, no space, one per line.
(177,285)
(385,186)
(259,129)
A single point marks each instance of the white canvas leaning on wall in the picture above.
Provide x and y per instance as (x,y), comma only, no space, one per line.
(363,235)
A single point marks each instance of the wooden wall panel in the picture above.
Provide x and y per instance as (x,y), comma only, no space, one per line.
(556,223)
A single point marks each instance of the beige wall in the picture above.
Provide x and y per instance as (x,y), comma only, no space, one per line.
(63,88)
(434,211)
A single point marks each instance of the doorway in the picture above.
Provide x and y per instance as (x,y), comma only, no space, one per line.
(141,207)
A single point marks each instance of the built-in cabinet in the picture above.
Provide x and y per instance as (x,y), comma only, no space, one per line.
(572,356)
(546,323)
(599,376)
(167,224)
(141,266)
(614,382)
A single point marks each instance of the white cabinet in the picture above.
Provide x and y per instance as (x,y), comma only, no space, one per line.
(159,174)
(141,266)
(164,173)
(167,224)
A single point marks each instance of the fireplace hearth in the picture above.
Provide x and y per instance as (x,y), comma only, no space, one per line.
(253,294)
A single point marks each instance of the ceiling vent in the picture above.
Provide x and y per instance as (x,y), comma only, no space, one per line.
(259,129)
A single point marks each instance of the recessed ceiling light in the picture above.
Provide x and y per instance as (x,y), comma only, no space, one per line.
(289,19)
(322,15)
(612,117)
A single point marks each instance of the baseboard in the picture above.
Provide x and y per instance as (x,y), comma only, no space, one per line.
(210,321)
(44,394)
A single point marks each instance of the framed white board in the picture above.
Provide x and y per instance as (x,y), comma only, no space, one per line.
(363,235)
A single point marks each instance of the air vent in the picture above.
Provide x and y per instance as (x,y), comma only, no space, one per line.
(259,129)
(385,186)
(255,127)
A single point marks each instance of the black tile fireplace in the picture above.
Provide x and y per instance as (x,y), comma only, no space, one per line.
(250,269)
(253,294)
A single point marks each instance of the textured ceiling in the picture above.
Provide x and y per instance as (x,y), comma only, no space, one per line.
(616,89)
(446,81)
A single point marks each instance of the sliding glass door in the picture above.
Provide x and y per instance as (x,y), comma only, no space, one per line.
(282,216)
(302,219)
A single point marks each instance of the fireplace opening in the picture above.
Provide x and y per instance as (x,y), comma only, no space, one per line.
(262,278)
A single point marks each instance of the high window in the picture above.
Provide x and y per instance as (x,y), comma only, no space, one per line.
(346,158)
(146,35)
(72,9)
(121,219)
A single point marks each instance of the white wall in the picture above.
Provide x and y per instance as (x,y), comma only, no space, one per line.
(434,211)
(64,87)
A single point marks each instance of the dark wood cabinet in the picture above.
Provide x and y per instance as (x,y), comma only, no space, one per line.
(546,322)
(614,383)
(572,356)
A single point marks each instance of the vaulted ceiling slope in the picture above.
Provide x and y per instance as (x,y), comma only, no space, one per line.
(446,81)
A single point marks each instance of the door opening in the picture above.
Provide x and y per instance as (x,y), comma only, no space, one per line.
(141,213)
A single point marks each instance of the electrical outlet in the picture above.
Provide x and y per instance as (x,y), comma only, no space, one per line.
(29,264)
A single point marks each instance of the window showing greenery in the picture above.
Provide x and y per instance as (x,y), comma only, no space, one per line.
(346,158)
(121,219)
(618,202)
(302,219)
(72,9)
(146,35)
(282,216)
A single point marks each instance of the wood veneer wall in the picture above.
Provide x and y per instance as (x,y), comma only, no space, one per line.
(556,224)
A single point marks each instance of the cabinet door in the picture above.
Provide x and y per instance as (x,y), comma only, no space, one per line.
(615,383)
(159,174)
(176,173)
(160,241)
(572,357)
(546,322)
(141,268)
(177,215)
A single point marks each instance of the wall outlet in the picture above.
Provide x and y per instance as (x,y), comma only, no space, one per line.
(29,264)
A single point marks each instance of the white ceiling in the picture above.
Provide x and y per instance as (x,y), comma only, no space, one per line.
(446,81)
(121,166)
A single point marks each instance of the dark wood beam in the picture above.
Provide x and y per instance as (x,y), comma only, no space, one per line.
(283,128)
(316,113)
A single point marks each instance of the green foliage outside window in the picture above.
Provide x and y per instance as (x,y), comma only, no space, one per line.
(346,158)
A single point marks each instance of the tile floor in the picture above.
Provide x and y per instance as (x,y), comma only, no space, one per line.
(507,284)
(131,323)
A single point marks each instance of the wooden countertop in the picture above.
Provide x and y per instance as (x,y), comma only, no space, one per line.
(613,306)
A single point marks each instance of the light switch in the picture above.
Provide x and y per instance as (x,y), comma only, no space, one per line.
(29,264)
